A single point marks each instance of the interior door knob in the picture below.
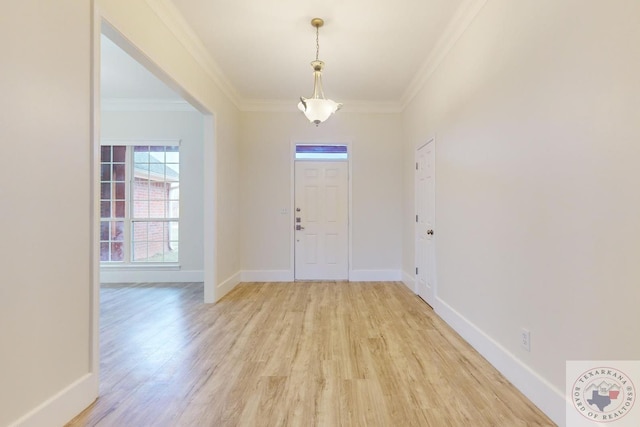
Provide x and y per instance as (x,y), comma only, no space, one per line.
(299,227)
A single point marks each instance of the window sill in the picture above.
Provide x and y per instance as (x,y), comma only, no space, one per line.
(141,267)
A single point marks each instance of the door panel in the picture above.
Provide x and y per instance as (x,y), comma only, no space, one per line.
(333,249)
(322,200)
(425,215)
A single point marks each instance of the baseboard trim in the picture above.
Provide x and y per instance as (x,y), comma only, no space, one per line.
(375,276)
(155,276)
(267,276)
(224,287)
(63,406)
(354,276)
(409,280)
(543,394)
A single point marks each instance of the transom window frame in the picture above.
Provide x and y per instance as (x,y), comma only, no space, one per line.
(318,151)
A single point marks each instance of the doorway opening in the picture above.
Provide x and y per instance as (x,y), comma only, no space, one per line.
(151,175)
(150,127)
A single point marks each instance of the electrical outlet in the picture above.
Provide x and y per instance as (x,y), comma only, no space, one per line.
(525,339)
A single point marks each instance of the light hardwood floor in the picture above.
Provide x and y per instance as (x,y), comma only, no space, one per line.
(292,354)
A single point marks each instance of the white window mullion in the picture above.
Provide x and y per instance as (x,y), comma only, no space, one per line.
(128,254)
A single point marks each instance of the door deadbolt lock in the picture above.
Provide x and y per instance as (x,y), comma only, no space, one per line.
(298,219)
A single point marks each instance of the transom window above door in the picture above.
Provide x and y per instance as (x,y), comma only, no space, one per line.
(321,152)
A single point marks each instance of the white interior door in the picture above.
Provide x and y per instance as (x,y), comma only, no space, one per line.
(425,214)
(321,221)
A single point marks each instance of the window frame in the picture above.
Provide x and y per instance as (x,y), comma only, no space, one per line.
(129,218)
(315,152)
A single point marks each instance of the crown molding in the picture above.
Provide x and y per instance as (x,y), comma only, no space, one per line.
(463,17)
(267,105)
(122,104)
(291,106)
(175,22)
(383,107)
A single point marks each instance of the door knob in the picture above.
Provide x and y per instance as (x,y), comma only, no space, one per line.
(430,232)
(299,227)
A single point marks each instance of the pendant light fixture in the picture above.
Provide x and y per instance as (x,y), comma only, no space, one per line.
(317,108)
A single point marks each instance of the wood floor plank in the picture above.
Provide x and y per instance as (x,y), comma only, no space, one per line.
(291,354)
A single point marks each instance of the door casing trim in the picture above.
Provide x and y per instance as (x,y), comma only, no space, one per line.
(292,182)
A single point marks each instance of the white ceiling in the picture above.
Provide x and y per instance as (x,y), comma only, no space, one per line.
(372,49)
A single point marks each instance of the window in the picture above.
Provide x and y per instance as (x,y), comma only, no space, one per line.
(139,204)
(321,152)
(112,202)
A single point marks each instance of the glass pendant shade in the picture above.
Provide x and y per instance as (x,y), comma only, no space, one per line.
(317,109)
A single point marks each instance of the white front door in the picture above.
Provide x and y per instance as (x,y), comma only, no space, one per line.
(321,221)
(425,214)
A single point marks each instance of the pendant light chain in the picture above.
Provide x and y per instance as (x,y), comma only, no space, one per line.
(317,42)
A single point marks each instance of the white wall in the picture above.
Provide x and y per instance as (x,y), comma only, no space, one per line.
(536,110)
(46,362)
(187,127)
(267,187)
(165,50)
(45,206)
